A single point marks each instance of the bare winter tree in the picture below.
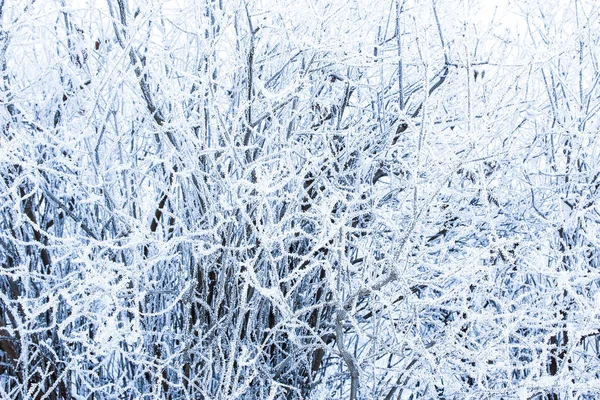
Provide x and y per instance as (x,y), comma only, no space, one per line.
(301,199)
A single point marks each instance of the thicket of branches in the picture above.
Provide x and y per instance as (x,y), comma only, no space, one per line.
(316,199)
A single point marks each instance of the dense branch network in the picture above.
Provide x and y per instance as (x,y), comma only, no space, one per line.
(248,200)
